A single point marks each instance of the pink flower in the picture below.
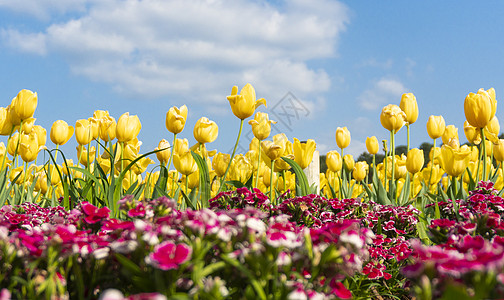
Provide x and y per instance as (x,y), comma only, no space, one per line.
(168,255)
(339,289)
(93,213)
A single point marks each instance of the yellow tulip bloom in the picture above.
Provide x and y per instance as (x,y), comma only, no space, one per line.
(272,150)
(479,108)
(492,130)
(82,154)
(28,147)
(185,163)
(107,128)
(348,162)
(205,130)
(220,162)
(436,126)
(498,150)
(392,118)
(342,137)
(25,104)
(261,125)
(472,134)
(360,170)
(83,132)
(409,106)
(303,152)
(455,161)
(244,104)
(176,119)
(61,132)
(27,125)
(333,161)
(128,127)
(450,132)
(164,155)
(415,160)
(372,145)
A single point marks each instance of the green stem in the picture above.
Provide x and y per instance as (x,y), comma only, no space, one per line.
(483,177)
(272,200)
(231,158)
(432,162)
(407,127)
(392,179)
(258,164)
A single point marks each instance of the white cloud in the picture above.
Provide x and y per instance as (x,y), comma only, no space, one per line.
(383,91)
(193,50)
(43,9)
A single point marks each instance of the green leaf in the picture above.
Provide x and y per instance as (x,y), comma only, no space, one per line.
(301,179)
(204,179)
(160,186)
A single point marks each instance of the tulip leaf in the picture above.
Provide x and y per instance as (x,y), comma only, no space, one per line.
(160,186)
(204,179)
(301,179)
(405,191)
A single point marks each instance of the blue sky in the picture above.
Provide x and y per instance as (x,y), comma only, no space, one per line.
(337,62)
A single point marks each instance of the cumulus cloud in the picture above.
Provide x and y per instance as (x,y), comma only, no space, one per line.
(195,50)
(383,91)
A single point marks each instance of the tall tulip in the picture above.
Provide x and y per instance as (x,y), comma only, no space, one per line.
(435,128)
(164,154)
(28,147)
(450,132)
(244,104)
(333,161)
(83,132)
(393,119)
(409,106)
(261,128)
(107,128)
(372,145)
(415,160)
(61,132)
(176,119)
(342,137)
(25,104)
(128,127)
(205,131)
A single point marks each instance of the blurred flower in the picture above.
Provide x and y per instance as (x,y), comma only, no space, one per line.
(435,126)
(61,132)
(128,127)
(360,170)
(176,119)
(498,150)
(303,152)
(409,106)
(244,104)
(168,255)
(205,131)
(392,118)
(342,137)
(348,162)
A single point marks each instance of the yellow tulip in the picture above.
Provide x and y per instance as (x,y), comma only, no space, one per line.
(82,154)
(141,165)
(185,163)
(489,148)
(400,169)
(25,104)
(241,168)
(244,104)
(472,133)
(28,147)
(253,156)
(205,130)
(267,177)
(492,130)
(164,155)
(180,146)
(27,125)
(415,160)
(192,180)
(303,152)
(107,128)
(372,145)
(128,127)
(342,137)
(61,132)
(95,127)
(272,150)
(104,164)
(360,170)
(409,106)
(392,118)
(261,125)
(5,122)
(41,183)
(333,161)
(100,114)
(455,161)
(436,126)
(13,144)
(220,162)
(348,162)
(83,132)
(498,150)
(479,108)
(13,117)
(176,119)
(437,173)
(450,132)
(17,172)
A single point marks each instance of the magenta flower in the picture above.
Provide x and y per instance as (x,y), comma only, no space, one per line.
(93,213)
(169,255)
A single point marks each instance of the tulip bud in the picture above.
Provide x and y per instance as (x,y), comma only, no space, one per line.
(25,104)
(164,155)
(410,107)
(450,132)
(372,145)
(185,163)
(479,108)
(61,132)
(473,134)
(128,127)
(435,126)
(176,119)
(83,132)
(415,160)
(303,152)
(342,137)
(261,125)
(244,104)
(360,170)
(348,162)
(392,118)
(205,131)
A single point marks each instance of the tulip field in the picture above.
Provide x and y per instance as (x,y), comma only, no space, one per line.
(182,222)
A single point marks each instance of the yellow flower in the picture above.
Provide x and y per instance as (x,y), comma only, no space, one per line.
(392,118)
(498,150)
(82,154)
(27,125)
(205,131)
(17,174)
(272,150)
(472,133)
(220,162)
(348,162)
(492,130)
(61,132)
(479,108)
(176,119)
(185,163)
(450,132)
(267,177)
(342,137)
(415,160)
(164,155)
(41,135)
(128,127)
(303,152)
(409,106)
(25,104)
(436,126)
(107,128)
(261,125)
(6,125)
(455,161)
(83,132)
(29,147)
(244,104)
(333,161)
(372,145)
(437,173)
(180,146)
(360,170)
(241,168)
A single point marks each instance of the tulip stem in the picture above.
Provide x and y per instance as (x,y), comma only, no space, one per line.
(231,158)
(483,177)
(258,163)
(392,182)
(408,133)
(272,199)
(432,162)
(171,154)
